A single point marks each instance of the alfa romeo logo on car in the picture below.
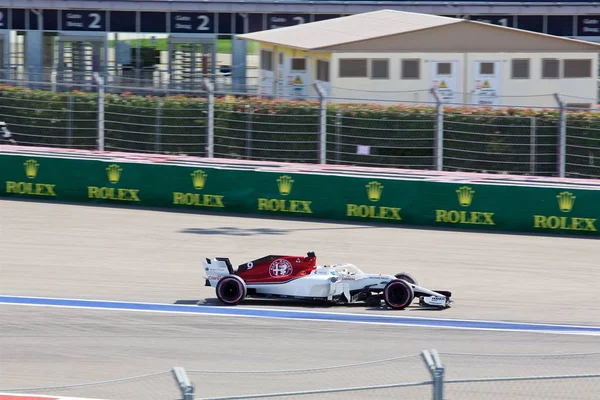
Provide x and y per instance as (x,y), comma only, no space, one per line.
(280,267)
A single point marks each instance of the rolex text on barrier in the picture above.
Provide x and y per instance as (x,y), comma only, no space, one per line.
(285,183)
(28,183)
(465,195)
(465,205)
(566,221)
(374,193)
(198,198)
(113,192)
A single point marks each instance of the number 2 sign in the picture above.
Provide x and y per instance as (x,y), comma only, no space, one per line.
(83,20)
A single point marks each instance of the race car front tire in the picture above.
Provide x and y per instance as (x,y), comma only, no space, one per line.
(231,290)
(398,294)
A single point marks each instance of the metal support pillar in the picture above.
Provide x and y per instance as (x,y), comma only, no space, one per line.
(562,137)
(185,385)
(434,364)
(210,123)
(439,132)
(322,123)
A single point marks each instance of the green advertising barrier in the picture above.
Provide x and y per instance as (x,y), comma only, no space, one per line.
(402,202)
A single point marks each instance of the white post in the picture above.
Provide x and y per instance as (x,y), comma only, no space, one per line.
(100,83)
(322,123)
(532,145)
(438,141)
(183,381)
(562,136)
(210,122)
(436,369)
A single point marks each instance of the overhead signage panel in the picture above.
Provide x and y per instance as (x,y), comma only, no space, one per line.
(533,23)
(588,25)
(153,22)
(17,19)
(192,22)
(123,21)
(3,18)
(503,20)
(560,25)
(84,20)
(236,23)
(275,21)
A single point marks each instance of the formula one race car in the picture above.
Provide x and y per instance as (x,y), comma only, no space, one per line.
(299,277)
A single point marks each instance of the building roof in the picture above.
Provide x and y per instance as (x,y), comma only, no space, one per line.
(335,33)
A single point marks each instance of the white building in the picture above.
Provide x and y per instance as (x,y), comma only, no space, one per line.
(400,56)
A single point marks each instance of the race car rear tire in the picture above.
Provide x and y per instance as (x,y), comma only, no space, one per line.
(407,277)
(231,290)
(398,294)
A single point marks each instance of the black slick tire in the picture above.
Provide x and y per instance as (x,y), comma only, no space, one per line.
(231,290)
(407,277)
(398,294)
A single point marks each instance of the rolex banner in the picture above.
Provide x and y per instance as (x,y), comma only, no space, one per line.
(402,202)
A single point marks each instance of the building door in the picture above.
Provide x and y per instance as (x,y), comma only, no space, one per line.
(283,67)
(266,74)
(486,81)
(299,84)
(444,80)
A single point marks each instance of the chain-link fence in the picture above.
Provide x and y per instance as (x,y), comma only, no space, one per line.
(428,375)
(160,385)
(555,142)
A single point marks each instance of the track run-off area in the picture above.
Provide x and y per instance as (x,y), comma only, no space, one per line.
(97,293)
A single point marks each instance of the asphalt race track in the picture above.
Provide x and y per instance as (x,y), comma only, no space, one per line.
(117,254)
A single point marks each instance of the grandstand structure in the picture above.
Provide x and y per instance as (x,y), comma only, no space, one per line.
(180,43)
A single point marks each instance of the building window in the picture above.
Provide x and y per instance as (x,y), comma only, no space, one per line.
(444,68)
(298,64)
(323,71)
(577,68)
(353,68)
(380,69)
(266,60)
(410,69)
(486,68)
(520,68)
(550,68)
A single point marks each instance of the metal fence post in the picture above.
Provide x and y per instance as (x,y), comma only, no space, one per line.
(210,123)
(69,119)
(100,83)
(532,160)
(184,383)
(562,136)
(157,141)
(436,369)
(322,123)
(438,146)
(250,110)
(338,136)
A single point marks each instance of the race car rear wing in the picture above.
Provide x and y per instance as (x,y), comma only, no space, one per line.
(215,269)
